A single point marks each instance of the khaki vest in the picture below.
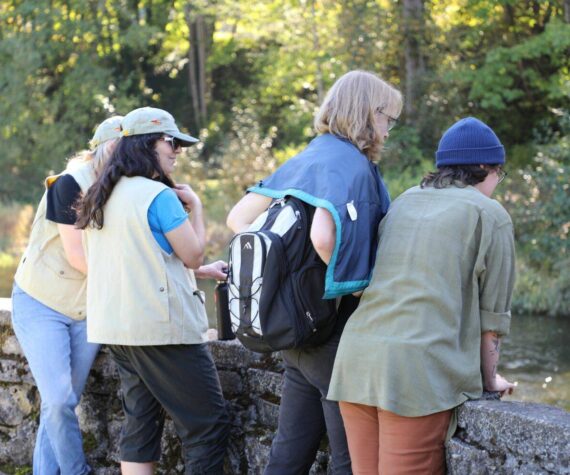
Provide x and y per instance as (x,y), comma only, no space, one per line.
(137,294)
(43,272)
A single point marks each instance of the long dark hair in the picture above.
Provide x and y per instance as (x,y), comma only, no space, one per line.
(459,175)
(134,155)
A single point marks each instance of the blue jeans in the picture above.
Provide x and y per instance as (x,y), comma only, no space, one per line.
(60,359)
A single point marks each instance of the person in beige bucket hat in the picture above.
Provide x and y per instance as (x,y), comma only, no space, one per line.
(49,307)
(152,315)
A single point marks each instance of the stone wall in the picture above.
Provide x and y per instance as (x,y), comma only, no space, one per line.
(493,436)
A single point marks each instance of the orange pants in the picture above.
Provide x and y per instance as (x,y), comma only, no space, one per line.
(383,443)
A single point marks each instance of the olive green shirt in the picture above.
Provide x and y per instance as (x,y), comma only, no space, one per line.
(444,274)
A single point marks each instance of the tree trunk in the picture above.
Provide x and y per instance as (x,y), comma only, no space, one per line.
(192,73)
(414,28)
(201,52)
(317,48)
(567,11)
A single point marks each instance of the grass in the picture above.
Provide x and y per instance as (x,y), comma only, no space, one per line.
(10,469)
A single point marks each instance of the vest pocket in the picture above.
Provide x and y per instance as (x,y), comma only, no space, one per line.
(58,265)
(198,312)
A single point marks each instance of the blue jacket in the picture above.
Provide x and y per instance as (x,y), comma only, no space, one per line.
(332,173)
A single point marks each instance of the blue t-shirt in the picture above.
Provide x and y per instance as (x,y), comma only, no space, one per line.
(165,213)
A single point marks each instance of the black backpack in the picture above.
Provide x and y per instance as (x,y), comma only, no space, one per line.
(276,281)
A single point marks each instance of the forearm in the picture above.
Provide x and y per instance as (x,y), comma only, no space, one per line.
(71,240)
(197,222)
(490,350)
(78,261)
(216,270)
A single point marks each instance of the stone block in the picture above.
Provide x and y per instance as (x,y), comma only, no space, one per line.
(171,461)
(465,459)
(107,470)
(267,413)
(17,402)
(12,347)
(92,415)
(232,354)
(232,383)
(5,312)
(257,447)
(322,462)
(17,443)
(103,378)
(262,382)
(535,435)
(15,371)
(235,462)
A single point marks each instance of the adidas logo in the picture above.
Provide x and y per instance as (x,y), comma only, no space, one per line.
(247,246)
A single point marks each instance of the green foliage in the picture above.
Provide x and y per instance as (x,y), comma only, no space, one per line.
(266,69)
(512,75)
(538,200)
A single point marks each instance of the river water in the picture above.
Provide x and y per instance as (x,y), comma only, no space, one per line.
(536,355)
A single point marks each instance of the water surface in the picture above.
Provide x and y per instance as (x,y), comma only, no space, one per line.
(536,355)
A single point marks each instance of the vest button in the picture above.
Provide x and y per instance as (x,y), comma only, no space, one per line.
(80,313)
(61,272)
(161,289)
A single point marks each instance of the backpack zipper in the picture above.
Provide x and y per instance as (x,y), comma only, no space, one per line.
(311,321)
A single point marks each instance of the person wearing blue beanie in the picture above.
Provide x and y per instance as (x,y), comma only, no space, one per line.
(426,335)
(468,152)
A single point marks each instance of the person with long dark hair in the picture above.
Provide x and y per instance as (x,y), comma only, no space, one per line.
(48,302)
(337,175)
(142,297)
(426,336)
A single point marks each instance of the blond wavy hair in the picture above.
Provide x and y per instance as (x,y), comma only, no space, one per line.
(349,109)
(97,157)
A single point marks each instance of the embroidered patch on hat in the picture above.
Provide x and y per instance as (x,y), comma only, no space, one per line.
(156,121)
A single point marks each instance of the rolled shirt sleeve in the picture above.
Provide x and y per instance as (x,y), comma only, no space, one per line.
(497,281)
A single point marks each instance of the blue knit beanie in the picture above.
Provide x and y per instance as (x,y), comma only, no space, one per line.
(469,142)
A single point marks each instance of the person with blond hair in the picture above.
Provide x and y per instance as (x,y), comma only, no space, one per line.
(426,336)
(49,299)
(335,174)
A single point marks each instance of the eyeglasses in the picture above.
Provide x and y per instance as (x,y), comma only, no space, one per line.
(174,142)
(501,174)
(391,120)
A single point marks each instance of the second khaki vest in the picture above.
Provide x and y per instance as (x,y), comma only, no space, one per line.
(43,272)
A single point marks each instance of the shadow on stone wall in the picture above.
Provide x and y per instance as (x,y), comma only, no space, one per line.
(493,437)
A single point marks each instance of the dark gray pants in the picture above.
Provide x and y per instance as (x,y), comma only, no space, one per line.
(305,415)
(180,380)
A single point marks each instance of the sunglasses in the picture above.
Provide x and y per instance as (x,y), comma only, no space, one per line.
(174,142)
